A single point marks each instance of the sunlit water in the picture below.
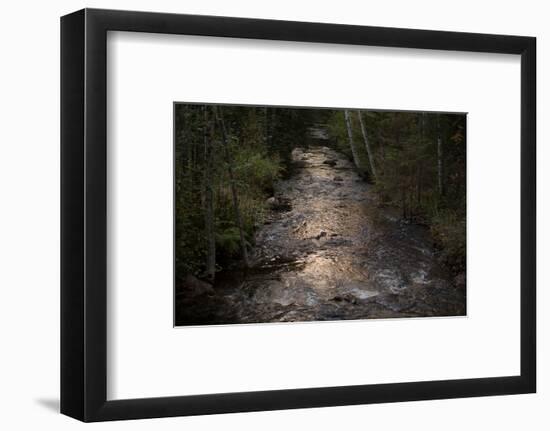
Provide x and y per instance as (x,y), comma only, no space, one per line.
(332,254)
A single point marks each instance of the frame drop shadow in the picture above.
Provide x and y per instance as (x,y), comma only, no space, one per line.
(51,404)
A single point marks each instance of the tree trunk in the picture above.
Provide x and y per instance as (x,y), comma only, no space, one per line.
(180,167)
(350,137)
(439,158)
(367,145)
(209,202)
(266,128)
(234,193)
(419,163)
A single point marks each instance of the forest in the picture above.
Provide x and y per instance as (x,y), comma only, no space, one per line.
(232,164)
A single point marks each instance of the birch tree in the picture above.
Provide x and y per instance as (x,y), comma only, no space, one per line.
(367,145)
(350,137)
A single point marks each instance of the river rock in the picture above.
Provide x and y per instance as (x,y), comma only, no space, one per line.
(278,204)
(272,202)
(337,241)
(346,297)
(321,235)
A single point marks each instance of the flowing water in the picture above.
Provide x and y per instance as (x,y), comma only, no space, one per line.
(329,253)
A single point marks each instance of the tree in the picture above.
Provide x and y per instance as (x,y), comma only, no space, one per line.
(439,157)
(350,138)
(367,145)
(210,270)
(234,192)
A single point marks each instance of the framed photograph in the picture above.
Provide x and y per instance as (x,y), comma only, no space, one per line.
(262,215)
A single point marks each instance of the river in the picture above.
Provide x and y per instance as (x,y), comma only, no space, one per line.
(329,252)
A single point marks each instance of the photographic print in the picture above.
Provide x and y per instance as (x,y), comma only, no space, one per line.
(289,214)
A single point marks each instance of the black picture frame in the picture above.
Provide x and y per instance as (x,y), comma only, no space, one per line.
(84,214)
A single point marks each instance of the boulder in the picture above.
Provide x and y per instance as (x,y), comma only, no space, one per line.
(272,202)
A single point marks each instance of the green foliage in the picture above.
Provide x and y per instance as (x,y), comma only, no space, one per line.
(247,159)
(337,131)
(228,241)
(257,169)
(449,230)
(191,245)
